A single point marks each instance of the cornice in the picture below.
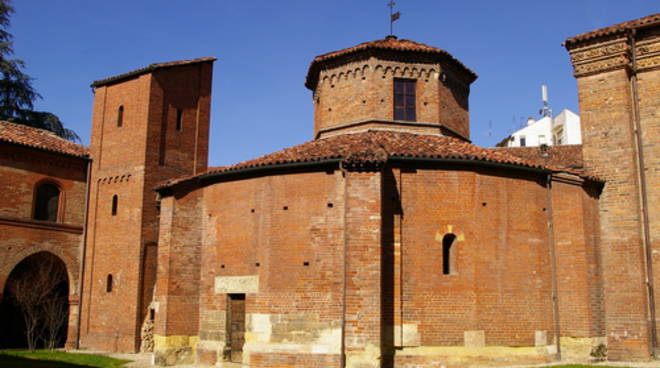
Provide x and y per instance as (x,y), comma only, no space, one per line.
(616,53)
(41,225)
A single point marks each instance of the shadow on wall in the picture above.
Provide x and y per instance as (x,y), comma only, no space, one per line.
(34,310)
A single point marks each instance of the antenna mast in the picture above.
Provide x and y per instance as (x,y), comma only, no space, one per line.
(545,111)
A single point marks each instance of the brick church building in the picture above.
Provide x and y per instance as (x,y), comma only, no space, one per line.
(389,240)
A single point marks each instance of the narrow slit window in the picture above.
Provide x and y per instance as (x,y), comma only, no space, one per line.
(447,256)
(120,116)
(404,99)
(115,200)
(179,120)
(47,202)
(108,284)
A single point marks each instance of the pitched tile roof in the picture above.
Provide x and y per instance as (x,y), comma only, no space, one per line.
(389,43)
(39,138)
(561,157)
(377,146)
(149,69)
(617,28)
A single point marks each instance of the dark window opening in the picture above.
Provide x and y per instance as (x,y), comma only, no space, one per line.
(404,99)
(120,116)
(523,141)
(152,314)
(447,260)
(47,202)
(108,284)
(115,199)
(179,119)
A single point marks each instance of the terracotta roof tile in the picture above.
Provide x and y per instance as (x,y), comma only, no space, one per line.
(149,69)
(389,43)
(617,28)
(561,157)
(39,138)
(377,146)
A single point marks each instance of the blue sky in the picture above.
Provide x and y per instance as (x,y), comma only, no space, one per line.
(260,104)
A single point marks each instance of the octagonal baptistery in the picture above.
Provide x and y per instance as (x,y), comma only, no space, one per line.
(387,241)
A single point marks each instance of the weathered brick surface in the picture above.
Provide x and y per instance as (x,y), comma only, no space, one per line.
(288,231)
(22,169)
(364,90)
(606,74)
(579,277)
(500,281)
(390,227)
(129,160)
(280,360)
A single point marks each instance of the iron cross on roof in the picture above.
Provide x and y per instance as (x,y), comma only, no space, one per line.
(393,16)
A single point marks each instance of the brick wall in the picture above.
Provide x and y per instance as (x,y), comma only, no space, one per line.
(604,71)
(361,91)
(129,160)
(500,277)
(391,228)
(287,231)
(22,169)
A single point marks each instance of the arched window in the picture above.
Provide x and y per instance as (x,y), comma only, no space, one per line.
(120,116)
(447,258)
(115,199)
(47,202)
(108,284)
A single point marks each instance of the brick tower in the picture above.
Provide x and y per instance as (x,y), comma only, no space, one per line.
(617,71)
(149,125)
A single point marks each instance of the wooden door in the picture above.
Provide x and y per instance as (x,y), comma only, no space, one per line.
(236,326)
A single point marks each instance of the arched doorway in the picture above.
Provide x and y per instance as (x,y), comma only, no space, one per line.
(34,311)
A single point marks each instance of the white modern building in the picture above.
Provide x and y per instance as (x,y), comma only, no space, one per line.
(562,129)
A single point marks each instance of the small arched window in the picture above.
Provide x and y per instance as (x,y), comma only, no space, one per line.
(120,116)
(108,284)
(47,202)
(115,200)
(447,258)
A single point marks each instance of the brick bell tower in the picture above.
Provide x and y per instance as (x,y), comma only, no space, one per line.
(618,77)
(390,84)
(149,125)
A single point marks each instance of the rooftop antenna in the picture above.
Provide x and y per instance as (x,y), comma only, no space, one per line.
(545,111)
(393,16)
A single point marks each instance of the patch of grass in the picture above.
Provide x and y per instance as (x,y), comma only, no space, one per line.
(56,359)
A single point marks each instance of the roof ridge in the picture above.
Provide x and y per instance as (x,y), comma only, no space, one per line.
(615,28)
(150,68)
(376,146)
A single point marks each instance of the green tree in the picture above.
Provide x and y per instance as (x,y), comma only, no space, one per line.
(17,95)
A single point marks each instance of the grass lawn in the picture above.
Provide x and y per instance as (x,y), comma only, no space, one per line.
(55,359)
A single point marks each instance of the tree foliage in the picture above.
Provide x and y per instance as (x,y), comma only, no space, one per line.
(17,95)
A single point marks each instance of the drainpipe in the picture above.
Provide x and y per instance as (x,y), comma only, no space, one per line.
(553,265)
(344,272)
(643,193)
(83,253)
